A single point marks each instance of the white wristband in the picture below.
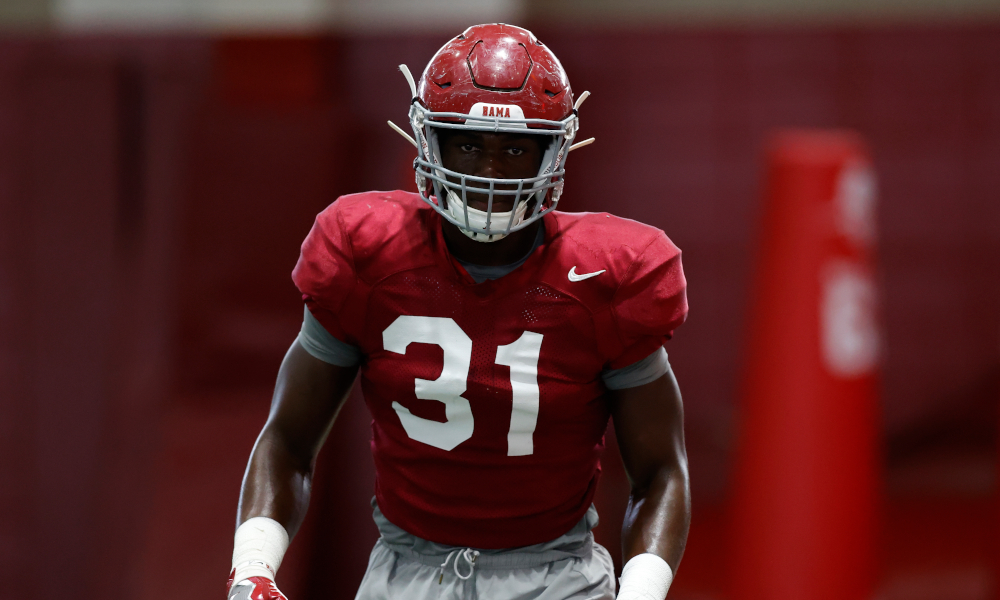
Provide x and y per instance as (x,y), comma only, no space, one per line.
(259,546)
(645,577)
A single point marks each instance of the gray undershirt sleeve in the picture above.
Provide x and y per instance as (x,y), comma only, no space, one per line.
(638,373)
(318,342)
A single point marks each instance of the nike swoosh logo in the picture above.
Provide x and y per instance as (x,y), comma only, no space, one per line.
(574,277)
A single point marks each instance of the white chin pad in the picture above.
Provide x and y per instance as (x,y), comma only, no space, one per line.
(477,218)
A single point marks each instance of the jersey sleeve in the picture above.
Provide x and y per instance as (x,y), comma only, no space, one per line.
(318,342)
(651,301)
(325,272)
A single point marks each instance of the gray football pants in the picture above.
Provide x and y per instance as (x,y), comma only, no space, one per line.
(570,567)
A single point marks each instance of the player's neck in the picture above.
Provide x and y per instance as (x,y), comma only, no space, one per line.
(504,252)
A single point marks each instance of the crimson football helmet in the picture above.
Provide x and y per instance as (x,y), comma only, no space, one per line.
(495,78)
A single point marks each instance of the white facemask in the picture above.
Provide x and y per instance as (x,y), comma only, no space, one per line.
(477,218)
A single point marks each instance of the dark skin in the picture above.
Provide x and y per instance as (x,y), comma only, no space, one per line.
(500,156)
(309,393)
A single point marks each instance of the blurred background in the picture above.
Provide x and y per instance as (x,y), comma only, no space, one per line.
(162,160)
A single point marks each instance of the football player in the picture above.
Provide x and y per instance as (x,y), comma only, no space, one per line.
(494,336)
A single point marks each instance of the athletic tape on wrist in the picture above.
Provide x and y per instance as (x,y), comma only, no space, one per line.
(645,577)
(258,548)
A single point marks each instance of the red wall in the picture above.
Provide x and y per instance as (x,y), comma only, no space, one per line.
(153,193)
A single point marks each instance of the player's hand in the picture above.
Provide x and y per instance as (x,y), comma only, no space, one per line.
(253,588)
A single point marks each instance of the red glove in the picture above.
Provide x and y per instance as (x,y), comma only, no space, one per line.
(253,588)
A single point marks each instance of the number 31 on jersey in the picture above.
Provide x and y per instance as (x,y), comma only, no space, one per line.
(521,356)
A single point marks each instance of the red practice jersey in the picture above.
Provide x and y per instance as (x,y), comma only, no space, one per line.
(488,409)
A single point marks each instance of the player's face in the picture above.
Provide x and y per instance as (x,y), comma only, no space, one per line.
(496,155)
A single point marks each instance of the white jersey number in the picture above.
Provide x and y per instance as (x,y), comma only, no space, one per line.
(521,356)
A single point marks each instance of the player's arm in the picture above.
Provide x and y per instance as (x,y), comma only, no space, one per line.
(275,494)
(649,425)
(307,397)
